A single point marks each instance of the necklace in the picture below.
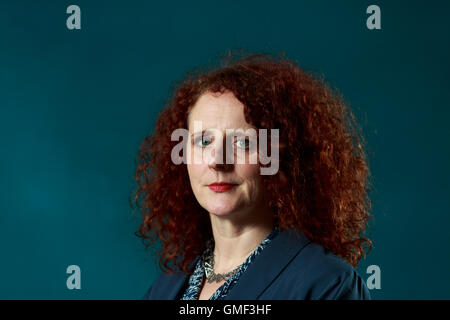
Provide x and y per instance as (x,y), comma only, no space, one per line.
(208,260)
(208,265)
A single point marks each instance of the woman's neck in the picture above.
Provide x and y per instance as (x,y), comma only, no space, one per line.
(236,240)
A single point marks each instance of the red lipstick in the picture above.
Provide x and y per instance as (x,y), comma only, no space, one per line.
(221,186)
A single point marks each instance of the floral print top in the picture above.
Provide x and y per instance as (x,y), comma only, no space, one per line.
(196,279)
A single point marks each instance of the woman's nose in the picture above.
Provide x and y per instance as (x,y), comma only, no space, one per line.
(219,156)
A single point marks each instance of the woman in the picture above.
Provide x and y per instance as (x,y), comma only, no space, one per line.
(229,229)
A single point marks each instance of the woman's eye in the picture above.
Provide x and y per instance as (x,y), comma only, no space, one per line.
(244,143)
(203,142)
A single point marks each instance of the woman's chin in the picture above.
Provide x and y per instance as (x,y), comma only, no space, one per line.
(221,209)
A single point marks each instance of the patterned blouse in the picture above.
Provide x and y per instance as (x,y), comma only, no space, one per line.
(196,279)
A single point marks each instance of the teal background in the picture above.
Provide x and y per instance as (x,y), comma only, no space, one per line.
(75,105)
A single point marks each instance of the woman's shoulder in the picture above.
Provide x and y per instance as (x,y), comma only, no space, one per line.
(314,257)
(309,256)
(320,274)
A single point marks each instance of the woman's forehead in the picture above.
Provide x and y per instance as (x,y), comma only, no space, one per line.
(218,112)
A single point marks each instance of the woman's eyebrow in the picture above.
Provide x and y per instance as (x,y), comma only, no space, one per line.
(200,133)
(235,132)
(239,133)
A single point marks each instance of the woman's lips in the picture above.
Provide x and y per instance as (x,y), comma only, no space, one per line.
(221,186)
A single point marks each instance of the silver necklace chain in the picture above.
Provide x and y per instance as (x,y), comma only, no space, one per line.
(208,265)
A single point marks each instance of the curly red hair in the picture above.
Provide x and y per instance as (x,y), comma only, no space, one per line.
(322,184)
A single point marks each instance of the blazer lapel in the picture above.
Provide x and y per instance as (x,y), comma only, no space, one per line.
(268,265)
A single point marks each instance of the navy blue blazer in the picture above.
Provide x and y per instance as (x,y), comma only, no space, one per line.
(289,268)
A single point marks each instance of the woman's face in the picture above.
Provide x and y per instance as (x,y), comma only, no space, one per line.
(217,113)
